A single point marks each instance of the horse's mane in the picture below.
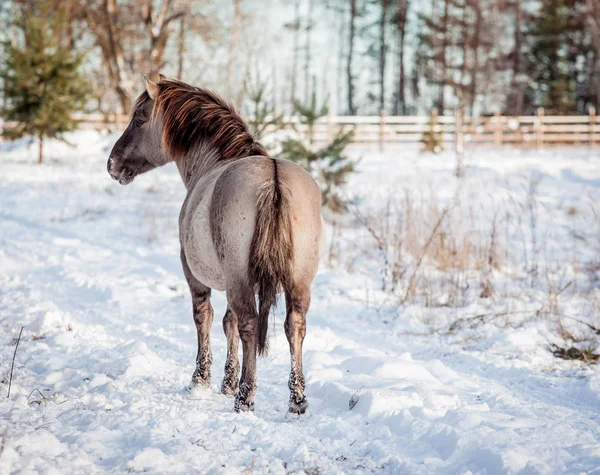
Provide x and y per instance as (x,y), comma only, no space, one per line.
(193,116)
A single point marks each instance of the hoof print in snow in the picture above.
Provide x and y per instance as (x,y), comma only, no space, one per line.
(242,405)
(299,407)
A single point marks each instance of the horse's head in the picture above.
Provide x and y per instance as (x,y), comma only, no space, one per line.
(139,149)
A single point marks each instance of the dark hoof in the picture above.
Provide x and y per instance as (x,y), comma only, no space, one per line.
(200,382)
(242,405)
(298,407)
(229,389)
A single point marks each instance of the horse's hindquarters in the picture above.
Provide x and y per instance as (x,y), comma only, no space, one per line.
(306,221)
(219,220)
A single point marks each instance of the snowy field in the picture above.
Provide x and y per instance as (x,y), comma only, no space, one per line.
(449,369)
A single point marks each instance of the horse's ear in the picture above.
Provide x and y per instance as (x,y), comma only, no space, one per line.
(151,87)
(162,77)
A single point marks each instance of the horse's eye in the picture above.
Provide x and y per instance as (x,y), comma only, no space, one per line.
(138,122)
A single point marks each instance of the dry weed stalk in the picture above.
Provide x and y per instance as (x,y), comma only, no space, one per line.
(12,365)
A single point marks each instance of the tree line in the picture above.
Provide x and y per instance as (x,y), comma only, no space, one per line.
(401,56)
(511,56)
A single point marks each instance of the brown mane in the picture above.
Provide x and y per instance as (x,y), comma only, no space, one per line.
(193,116)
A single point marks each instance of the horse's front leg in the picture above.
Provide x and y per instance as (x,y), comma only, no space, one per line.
(203,317)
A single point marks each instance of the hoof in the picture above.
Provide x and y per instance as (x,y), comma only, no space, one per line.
(298,407)
(228,389)
(199,382)
(242,405)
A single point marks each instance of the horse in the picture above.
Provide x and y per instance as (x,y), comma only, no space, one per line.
(250,225)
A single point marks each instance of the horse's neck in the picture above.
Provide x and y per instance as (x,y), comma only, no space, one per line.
(197,163)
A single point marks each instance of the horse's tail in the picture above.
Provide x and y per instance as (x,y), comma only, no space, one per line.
(272,250)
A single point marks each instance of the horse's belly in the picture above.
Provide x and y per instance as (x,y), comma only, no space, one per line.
(198,247)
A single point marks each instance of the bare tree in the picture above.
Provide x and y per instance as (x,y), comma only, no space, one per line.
(233,44)
(133,36)
(383,21)
(181,47)
(399,19)
(157,23)
(307,51)
(592,21)
(443,57)
(295,27)
(351,39)
(516,87)
(458,50)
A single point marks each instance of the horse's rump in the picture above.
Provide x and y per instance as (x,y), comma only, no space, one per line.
(271,251)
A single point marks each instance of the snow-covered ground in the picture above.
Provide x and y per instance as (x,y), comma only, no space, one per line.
(91,270)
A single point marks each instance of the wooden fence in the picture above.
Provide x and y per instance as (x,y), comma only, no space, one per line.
(455,131)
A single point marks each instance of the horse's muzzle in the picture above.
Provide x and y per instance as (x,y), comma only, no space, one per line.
(124,176)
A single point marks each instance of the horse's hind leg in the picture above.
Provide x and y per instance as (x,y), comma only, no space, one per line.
(232,365)
(203,317)
(242,303)
(297,302)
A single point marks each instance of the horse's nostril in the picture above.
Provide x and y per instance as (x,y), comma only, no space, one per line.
(109,164)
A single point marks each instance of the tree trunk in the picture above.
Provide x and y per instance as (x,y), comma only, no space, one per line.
(339,77)
(443,65)
(116,55)
(351,107)
(516,87)
(40,148)
(295,51)
(235,33)
(401,93)
(159,34)
(593,25)
(461,88)
(382,53)
(476,45)
(307,52)
(181,48)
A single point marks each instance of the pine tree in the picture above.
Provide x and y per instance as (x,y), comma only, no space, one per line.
(432,135)
(329,165)
(262,115)
(555,65)
(42,84)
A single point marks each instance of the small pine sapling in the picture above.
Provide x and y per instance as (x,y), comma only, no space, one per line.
(328,165)
(41,79)
(262,115)
(432,136)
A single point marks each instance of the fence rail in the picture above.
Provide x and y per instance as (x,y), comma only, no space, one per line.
(406,131)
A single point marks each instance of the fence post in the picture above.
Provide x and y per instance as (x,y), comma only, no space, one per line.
(329,126)
(458,140)
(381,129)
(539,134)
(592,125)
(497,128)
(434,120)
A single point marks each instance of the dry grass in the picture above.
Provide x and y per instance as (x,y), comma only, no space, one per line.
(439,254)
(417,239)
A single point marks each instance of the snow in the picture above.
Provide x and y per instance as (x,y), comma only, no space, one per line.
(91,270)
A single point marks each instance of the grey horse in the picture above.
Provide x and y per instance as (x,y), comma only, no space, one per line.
(250,225)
